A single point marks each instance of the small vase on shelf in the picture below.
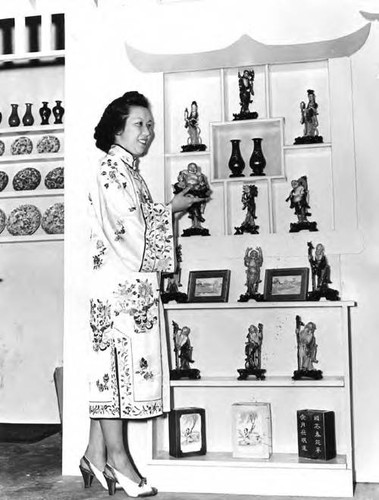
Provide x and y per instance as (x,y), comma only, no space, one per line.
(44,112)
(58,112)
(257,160)
(14,119)
(28,119)
(236,163)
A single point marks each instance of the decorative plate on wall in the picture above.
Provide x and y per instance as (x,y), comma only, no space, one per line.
(24,220)
(26,179)
(55,178)
(2,148)
(3,180)
(22,146)
(3,219)
(53,219)
(48,144)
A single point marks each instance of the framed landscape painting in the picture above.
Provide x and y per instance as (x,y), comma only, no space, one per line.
(286,284)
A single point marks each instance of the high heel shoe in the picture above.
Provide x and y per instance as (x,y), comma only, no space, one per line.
(114,478)
(89,472)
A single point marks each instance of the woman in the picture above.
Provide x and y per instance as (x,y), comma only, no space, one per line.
(131,240)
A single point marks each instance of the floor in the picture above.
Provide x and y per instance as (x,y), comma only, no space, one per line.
(32,471)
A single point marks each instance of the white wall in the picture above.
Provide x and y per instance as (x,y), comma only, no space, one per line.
(98,70)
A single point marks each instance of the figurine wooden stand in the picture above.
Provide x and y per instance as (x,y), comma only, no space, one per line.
(299,198)
(253,261)
(309,119)
(306,352)
(183,354)
(246,90)
(191,122)
(253,348)
(249,193)
(320,275)
(193,177)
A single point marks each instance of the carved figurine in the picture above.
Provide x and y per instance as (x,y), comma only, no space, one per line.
(309,113)
(183,354)
(193,177)
(306,351)
(191,123)
(249,193)
(246,91)
(253,261)
(320,270)
(299,198)
(172,284)
(253,350)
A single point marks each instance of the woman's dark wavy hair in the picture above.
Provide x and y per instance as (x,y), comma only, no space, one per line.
(114,118)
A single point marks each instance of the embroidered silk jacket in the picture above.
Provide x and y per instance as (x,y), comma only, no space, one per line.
(131,240)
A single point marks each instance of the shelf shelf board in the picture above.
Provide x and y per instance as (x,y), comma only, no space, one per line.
(32,193)
(226,459)
(270,381)
(38,129)
(41,157)
(31,239)
(31,56)
(187,155)
(258,305)
(247,179)
(293,147)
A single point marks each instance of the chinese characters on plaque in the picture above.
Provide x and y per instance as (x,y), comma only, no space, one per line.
(316,434)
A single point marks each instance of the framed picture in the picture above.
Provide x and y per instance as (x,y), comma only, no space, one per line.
(209,286)
(252,433)
(286,284)
(187,432)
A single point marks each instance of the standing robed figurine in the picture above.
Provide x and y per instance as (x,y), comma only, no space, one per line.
(309,114)
(306,351)
(246,91)
(191,123)
(253,351)
(183,354)
(253,261)
(249,193)
(320,274)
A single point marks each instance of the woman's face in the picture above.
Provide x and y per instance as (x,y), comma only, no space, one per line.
(138,131)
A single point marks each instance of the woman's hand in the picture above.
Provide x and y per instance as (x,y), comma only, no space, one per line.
(182,201)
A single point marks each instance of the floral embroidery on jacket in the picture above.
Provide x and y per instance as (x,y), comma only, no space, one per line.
(120,230)
(112,174)
(158,250)
(103,386)
(98,257)
(101,324)
(143,371)
(138,300)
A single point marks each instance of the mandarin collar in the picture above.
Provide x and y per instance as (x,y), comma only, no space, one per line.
(127,157)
